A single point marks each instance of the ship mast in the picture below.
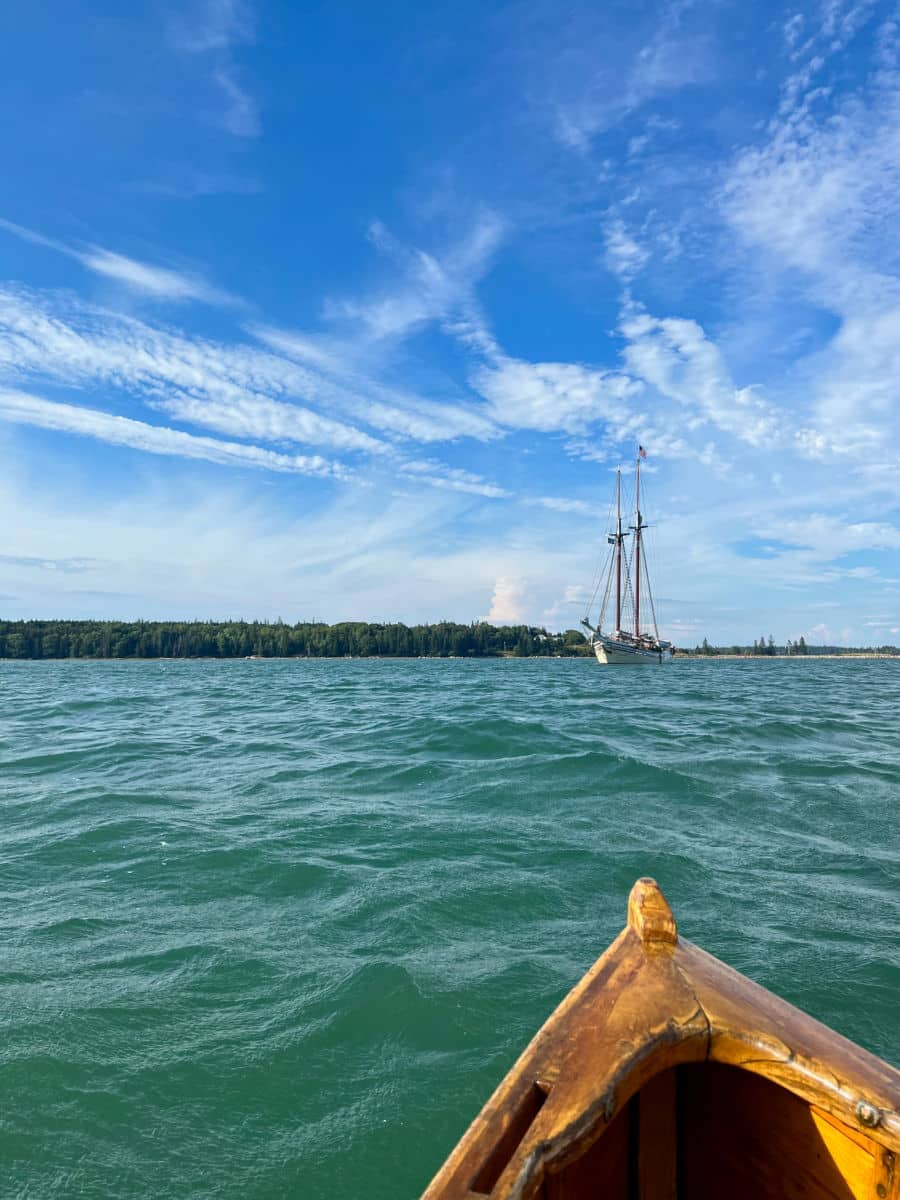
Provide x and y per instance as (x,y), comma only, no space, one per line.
(638,526)
(618,550)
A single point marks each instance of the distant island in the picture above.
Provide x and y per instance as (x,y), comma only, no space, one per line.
(346,639)
(276,639)
(767,648)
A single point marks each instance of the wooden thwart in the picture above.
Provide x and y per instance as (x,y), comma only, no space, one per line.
(665,1074)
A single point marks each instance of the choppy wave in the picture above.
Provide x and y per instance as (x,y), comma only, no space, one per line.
(276,928)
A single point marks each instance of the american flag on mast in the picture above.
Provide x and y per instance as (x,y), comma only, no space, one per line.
(642,452)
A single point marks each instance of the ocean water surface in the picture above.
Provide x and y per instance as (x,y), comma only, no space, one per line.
(277,928)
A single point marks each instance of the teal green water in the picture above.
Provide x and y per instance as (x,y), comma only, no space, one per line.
(276,929)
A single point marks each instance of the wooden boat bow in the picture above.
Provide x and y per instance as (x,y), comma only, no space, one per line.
(661,1071)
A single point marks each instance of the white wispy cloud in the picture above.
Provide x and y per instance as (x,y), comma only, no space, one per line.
(210,30)
(825,537)
(251,415)
(385,407)
(591,93)
(825,35)
(675,356)
(234,388)
(24,409)
(162,283)
(816,204)
(820,200)
(242,550)
(553,396)
(454,479)
(240,117)
(210,25)
(653,127)
(623,254)
(857,410)
(563,505)
(239,551)
(430,287)
(793,28)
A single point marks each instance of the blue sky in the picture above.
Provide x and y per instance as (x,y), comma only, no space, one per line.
(338,312)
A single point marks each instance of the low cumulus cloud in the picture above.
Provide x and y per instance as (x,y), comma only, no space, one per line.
(508,603)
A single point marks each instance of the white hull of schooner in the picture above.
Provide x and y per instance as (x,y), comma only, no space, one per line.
(617,653)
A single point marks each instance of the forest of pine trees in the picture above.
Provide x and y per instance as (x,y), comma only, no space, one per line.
(240,639)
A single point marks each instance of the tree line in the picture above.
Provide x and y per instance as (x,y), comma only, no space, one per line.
(761,647)
(313,639)
(316,639)
(766,647)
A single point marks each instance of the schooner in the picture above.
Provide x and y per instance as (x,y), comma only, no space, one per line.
(627,580)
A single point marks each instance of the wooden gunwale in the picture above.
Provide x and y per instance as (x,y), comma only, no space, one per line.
(650,1003)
